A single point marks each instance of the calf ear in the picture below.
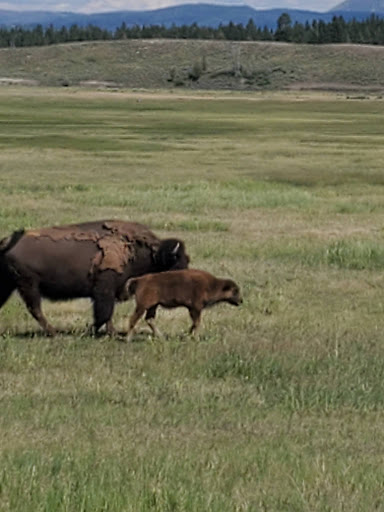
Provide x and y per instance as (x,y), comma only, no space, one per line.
(230,285)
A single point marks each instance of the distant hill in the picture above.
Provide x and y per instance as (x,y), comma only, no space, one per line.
(172,64)
(202,14)
(376,6)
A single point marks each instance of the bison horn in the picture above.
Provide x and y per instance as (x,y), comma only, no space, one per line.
(176,248)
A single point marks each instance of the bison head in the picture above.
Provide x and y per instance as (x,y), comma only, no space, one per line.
(171,255)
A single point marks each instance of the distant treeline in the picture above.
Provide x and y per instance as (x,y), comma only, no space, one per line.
(370,31)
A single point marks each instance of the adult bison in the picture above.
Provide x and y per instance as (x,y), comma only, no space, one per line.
(93,259)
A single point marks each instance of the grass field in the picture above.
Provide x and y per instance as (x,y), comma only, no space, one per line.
(277,405)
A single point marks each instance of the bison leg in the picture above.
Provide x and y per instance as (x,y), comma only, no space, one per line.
(149,318)
(195,315)
(104,302)
(135,317)
(30,294)
(103,306)
(7,287)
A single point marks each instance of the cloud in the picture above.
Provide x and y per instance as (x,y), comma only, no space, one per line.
(114,5)
(92,6)
(47,5)
(138,5)
(6,6)
(121,5)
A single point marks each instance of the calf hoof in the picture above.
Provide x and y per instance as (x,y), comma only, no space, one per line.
(129,336)
(112,333)
(110,330)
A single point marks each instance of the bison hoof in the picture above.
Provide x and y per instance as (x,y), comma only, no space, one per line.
(50,331)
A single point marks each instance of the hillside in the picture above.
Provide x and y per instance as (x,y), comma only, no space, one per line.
(196,64)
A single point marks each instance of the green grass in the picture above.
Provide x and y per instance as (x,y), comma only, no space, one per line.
(277,405)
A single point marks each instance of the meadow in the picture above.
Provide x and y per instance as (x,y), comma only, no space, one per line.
(277,405)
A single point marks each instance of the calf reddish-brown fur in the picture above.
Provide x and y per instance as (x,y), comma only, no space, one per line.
(193,289)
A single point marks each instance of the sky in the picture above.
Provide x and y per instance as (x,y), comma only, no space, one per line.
(92,6)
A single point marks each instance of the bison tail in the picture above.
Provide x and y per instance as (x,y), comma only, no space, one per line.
(6,244)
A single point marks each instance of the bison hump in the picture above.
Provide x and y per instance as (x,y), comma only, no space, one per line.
(59,233)
(132,231)
(114,254)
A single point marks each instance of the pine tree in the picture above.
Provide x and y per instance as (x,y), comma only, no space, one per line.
(284,29)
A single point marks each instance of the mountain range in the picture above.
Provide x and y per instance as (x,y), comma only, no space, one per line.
(187,14)
(361,6)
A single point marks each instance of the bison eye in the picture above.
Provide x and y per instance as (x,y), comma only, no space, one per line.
(226,288)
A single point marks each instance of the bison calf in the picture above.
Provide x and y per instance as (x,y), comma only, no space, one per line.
(193,289)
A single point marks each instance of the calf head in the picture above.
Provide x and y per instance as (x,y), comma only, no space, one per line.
(231,292)
(171,255)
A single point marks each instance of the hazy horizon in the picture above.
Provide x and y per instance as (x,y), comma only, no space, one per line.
(96,6)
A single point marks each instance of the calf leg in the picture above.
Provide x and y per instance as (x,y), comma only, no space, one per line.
(111,331)
(135,317)
(150,319)
(195,315)
(30,294)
